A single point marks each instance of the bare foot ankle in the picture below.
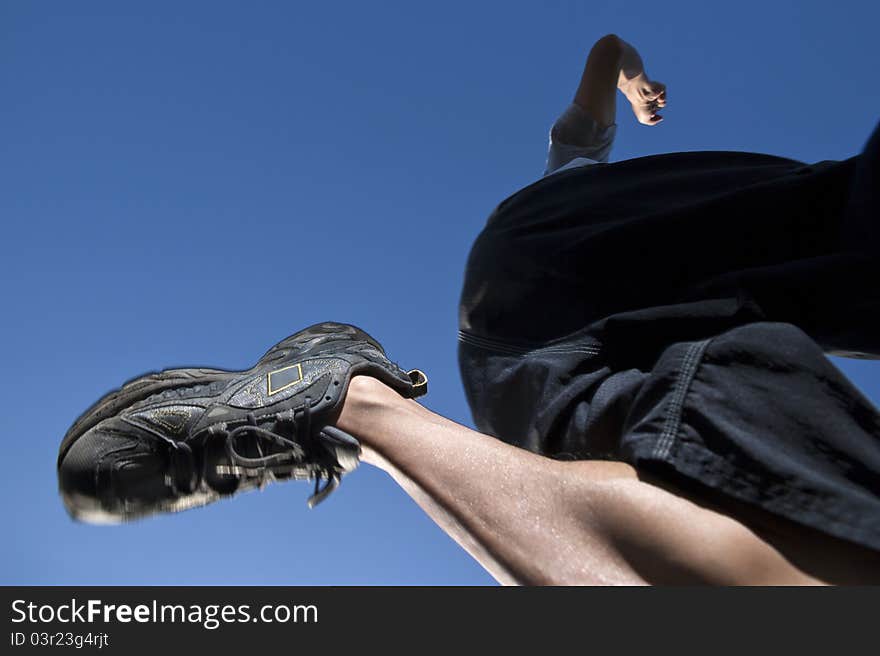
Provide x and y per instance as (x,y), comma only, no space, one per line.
(366,396)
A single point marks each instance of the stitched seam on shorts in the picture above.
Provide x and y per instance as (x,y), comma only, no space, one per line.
(673,415)
(525,351)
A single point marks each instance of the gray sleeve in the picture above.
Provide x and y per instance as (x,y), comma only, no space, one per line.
(576,134)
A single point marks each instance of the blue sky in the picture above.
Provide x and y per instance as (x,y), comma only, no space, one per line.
(189,182)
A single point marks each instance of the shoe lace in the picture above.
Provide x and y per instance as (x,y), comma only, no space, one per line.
(291,451)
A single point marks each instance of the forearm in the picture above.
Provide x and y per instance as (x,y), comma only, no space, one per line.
(597,91)
(611,65)
(646,96)
(631,64)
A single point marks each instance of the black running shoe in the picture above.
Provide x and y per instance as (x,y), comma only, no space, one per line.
(182,438)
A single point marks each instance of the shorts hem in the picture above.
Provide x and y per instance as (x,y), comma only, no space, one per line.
(811,508)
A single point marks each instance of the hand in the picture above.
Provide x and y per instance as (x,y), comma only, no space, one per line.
(647,97)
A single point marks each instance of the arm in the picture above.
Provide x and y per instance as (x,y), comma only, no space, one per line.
(614,64)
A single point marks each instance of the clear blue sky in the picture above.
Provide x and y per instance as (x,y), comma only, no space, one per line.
(188,182)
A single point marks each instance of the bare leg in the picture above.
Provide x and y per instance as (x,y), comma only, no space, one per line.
(533,520)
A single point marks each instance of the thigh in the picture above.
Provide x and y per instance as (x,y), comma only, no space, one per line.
(755,415)
(678,536)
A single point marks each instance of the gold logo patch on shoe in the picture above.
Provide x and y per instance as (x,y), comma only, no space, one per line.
(281,379)
(174,419)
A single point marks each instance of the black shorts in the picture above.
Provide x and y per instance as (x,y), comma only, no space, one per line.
(674,312)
